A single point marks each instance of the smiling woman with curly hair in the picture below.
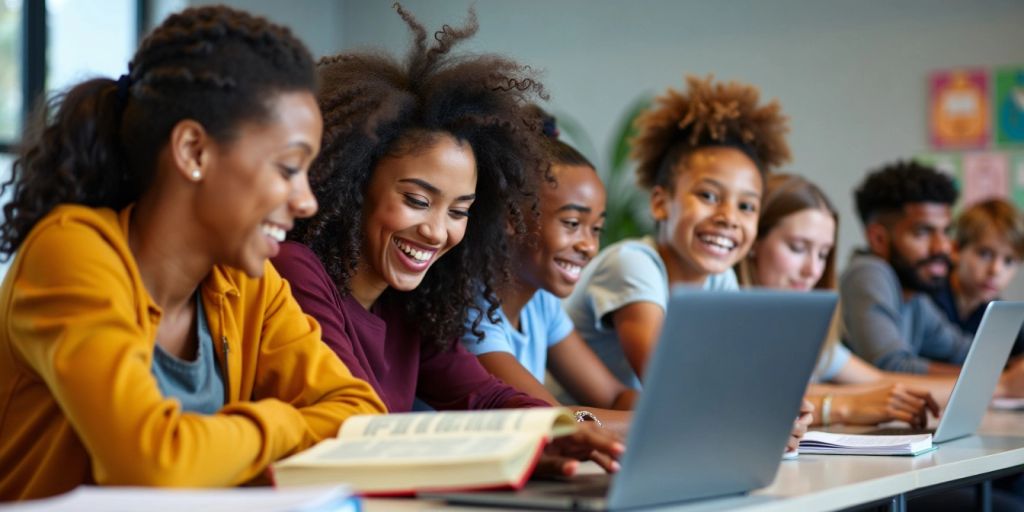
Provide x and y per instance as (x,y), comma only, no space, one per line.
(424,168)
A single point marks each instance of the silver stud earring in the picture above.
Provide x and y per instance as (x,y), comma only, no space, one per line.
(196,174)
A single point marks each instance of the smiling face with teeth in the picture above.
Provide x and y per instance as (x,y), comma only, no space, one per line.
(416,210)
(252,189)
(568,231)
(707,221)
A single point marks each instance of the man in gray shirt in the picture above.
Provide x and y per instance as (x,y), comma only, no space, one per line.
(888,319)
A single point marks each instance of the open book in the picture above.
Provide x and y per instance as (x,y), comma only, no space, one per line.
(404,453)
(852,444)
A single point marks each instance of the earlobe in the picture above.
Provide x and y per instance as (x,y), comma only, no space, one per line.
(189,149)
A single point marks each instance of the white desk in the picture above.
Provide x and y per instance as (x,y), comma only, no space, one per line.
(831,482)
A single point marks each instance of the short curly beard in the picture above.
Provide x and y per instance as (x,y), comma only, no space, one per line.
(910,279)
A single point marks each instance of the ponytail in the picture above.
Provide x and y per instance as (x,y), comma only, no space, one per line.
(214,65)
(74,157)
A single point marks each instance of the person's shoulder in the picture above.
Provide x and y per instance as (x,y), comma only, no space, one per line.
(298,264)
(630,254)
(864,265)
(75,233)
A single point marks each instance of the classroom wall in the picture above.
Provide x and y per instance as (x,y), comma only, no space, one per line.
(851,75)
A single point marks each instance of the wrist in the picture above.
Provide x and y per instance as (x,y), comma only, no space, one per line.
(840,409)
(1001,387)
(826,409)
(583,415)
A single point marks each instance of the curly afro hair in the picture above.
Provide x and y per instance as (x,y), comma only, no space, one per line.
(708,114)
(376,107)
(888,189)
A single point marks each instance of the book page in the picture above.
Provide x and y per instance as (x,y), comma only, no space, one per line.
(547,421)
(414,450)
(862,441)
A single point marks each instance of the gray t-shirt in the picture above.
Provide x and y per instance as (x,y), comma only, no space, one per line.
(893,334)
(198,385)
(624,273)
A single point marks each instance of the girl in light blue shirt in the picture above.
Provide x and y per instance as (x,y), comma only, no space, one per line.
(531,332)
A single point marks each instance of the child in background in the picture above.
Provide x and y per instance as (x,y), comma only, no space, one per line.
(702,154)
(988,246)
(146,339)
(795,250)
(532,332)
(424,167)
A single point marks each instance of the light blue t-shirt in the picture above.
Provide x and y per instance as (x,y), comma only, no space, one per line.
(542,324)
(831,362)
(624,273)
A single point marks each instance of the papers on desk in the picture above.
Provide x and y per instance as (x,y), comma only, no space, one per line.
(1008,404)
(249,499)
(851,444)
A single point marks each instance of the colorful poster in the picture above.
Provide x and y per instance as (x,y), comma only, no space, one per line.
(985,175)
(948,163)
(1008,105)
(1017,170)
(959,109)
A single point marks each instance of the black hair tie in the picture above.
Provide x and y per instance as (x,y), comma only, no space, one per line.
(124,84)
(550,127)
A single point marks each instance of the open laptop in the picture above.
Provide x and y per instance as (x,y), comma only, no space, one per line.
(722,390)
(979,375)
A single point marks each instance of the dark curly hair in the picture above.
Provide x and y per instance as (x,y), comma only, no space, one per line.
(559,152)
(375,107)
(214,65)
(707,114)
(888,189)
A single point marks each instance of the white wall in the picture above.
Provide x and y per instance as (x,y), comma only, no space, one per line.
(851,75)
(316,22)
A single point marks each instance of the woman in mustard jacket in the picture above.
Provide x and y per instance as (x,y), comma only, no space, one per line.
(145,339)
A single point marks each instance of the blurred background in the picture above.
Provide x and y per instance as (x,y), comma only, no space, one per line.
(853,76)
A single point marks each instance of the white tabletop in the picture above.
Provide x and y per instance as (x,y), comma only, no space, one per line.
(829,482)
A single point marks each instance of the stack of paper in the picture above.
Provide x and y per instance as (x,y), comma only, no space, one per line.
(851,444)
(1008,404)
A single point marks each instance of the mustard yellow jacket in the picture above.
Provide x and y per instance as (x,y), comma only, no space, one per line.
(78,403)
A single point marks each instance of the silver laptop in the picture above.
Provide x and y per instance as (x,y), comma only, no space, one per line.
(979,375)
(722,390)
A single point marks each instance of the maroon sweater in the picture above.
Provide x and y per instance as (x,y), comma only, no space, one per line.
(382,348)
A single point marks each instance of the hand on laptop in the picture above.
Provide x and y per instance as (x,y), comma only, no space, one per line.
(589,442)
(1011,383)
(800,425)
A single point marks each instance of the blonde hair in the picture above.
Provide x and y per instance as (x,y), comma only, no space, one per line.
(785,195)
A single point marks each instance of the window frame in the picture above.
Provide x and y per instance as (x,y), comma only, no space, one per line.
(33,57)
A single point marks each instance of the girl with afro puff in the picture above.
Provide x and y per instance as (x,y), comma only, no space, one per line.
(702,154)
(423,168)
